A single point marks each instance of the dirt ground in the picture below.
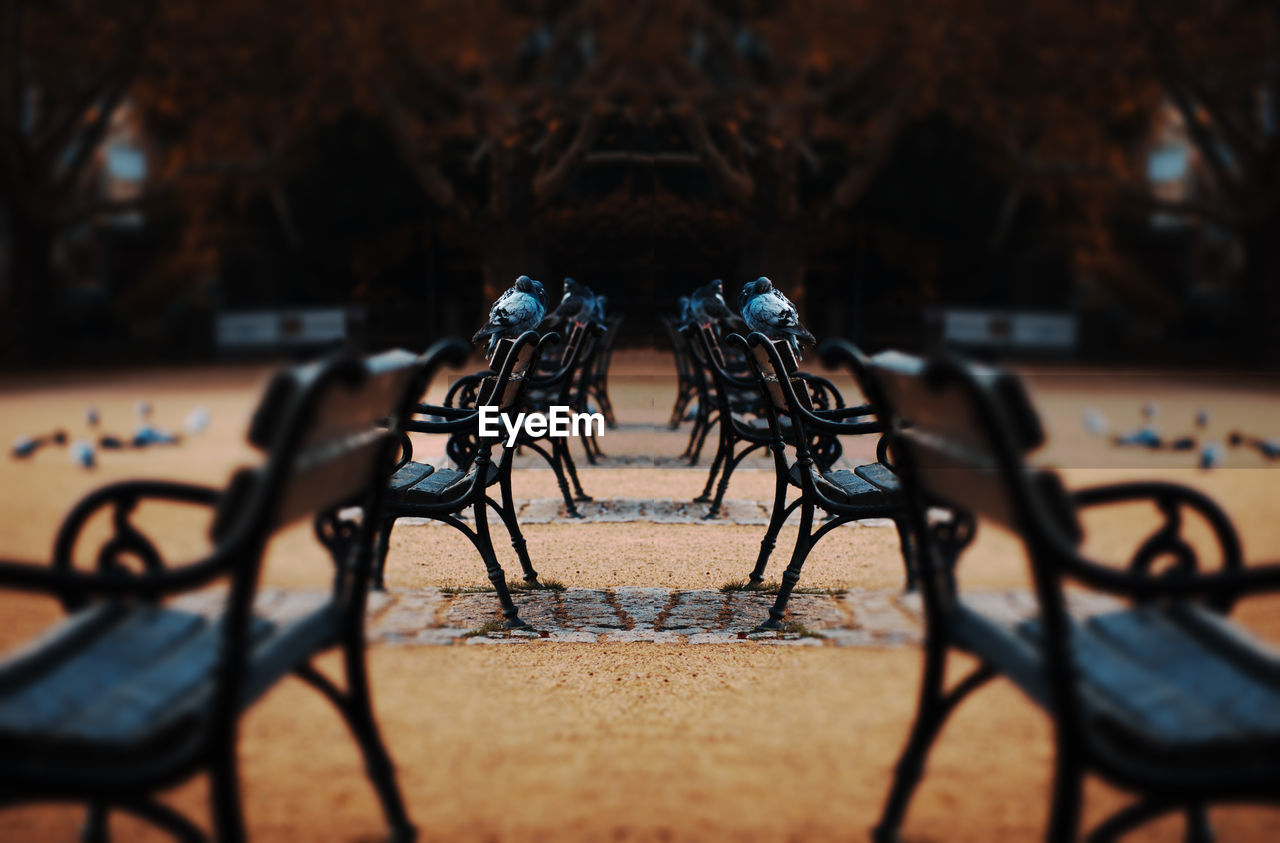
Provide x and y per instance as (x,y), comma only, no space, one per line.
(635,741)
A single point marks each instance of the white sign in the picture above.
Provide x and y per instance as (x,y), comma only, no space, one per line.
(281,328)
(1010,329)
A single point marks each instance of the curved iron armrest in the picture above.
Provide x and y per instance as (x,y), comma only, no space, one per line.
(471,381)
(555,377)
(818,382)
(730,378)
(444,412)
(112,578)
(470,420)
(1219,589)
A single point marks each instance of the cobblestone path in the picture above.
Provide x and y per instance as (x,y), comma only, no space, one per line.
(434,616)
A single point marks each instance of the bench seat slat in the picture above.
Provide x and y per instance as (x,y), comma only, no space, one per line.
(843,486)
(1146,677)
(116,692)
(879,475)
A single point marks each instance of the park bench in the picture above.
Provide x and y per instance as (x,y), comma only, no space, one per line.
(547,382)
(135,692)
(419,489)
(740,413)
(1158,693)
(595,377)
(557,386)
(794,420)
(692,387)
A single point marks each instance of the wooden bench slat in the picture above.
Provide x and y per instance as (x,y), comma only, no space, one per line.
(159,695)
(140,637)
(1176,653)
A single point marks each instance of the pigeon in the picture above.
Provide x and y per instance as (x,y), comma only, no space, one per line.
(707,305)
(579,303)
(519,309)
(197,421)
(686,310)
(82,453)
(765,309)
(147,435)
(1095,422)
(1145,437)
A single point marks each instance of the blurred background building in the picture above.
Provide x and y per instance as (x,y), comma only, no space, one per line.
(182,180)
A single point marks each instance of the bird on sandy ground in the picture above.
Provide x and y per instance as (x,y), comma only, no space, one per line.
(578,304)
(765,309)
(519,309)
(707,306)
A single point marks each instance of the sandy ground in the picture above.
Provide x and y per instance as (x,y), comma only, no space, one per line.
(637,741)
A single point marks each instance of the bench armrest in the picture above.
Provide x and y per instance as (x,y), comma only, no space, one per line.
(844,413)
(73,586)
(465,388)
(1184,579)
(125,496)
(442,411)
(828,392)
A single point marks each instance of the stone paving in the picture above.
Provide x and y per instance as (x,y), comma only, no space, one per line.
(855,618)
(661,511)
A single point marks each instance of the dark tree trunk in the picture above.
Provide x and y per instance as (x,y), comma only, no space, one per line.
(31,278)
(1260,307)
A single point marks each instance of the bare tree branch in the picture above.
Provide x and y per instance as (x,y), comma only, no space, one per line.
(737,183)
(548,181)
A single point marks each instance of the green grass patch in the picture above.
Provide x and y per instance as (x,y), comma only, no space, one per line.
(772,587)
(512,585)
(484,630)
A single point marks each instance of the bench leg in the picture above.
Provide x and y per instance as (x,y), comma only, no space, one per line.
(382,772)
(579,494)
(508,513)
(702,426)
(224,789)
(776,520)
(933,708)
(721,446)
(497,576)
(380,547)
(1068,787)
(804,542)
(95,829)
(907,542)
(1143,811)
(1199,829)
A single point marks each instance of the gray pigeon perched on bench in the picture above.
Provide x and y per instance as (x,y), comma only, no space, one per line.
(707,305)
(579,303)
(765,309)
(519,309)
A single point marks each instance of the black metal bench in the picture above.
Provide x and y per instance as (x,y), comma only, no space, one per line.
(420,490)
(558,386)
(595,379)
(741,414)
(131,695)
(866,491)
(1162,696)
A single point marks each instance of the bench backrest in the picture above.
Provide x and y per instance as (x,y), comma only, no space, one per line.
(323,429)
(962,432)
(511,360)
